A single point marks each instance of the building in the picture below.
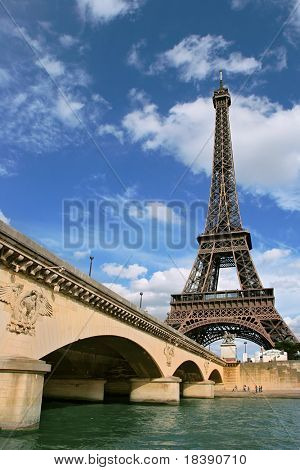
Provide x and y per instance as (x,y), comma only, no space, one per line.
(270,356)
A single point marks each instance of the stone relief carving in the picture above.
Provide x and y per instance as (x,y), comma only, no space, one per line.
(206,366)
(169,353)
(26,307)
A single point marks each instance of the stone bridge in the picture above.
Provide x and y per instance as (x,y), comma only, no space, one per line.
(64,335)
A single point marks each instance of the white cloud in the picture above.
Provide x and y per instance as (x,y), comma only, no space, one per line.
(161,212)
(138,97)
(274,254)
(99,99)
(239,4)
(103,11)
(3,171)
(155,303)
(110,129)
(54,67)
(7,167)
(277,58)
(121,290)
(266,141)
(294,324)
(156,290)
(134,56)
(37,118)
(67,41)
(147,211)
(295,17)
(67,109)
(81,254)
(4,219)
(196,57)
(168,281)
(35,43)
(279,268)
(5,77)
(19,99)
(132,271)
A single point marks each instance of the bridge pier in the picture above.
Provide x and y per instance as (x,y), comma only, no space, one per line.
(75,389)
(203,389)
(21,391)
(161,390)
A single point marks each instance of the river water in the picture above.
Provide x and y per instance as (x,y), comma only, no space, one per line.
(222,423)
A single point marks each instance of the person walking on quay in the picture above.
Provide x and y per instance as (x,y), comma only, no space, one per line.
(256,388)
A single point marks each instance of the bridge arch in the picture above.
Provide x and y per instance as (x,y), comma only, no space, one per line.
(215,376)
(105,356)
(189,371)
(62,330)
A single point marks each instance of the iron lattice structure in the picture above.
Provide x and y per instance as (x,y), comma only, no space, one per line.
(201,311)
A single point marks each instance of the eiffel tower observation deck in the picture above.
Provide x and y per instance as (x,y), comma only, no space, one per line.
(201,311)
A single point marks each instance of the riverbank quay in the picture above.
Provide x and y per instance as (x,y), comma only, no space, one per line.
(266,394)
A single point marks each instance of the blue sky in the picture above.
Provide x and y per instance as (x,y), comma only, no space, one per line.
(109,101)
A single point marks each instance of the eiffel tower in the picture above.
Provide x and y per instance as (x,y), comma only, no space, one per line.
(201,311)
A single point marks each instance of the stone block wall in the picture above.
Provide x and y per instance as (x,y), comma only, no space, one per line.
(283,375)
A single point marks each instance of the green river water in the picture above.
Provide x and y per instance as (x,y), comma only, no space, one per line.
(222,423)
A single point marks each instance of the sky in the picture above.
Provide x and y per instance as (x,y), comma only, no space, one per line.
(106,135)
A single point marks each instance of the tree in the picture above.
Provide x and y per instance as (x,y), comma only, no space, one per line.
(292,349)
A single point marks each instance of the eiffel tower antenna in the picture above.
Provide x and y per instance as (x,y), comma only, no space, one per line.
(201,311)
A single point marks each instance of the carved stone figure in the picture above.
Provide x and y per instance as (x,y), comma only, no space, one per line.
(25,308)
(169,353)
(228,338)
(206,366)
